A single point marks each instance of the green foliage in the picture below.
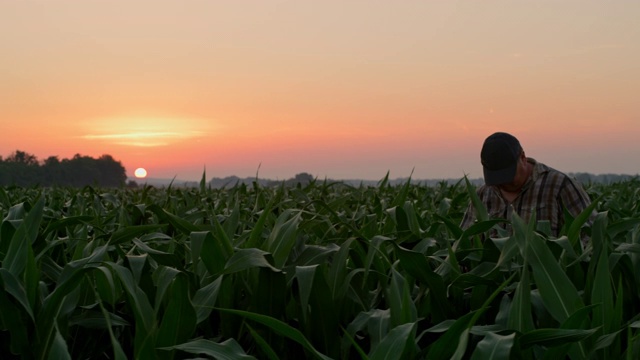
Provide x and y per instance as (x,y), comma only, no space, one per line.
(316,270)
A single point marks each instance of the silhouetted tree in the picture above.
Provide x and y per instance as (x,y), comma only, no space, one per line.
(111,171)
(22,157)
(23,169)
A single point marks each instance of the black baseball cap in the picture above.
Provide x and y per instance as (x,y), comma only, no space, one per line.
(499,158)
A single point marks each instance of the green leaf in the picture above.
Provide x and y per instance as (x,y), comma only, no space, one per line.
(605,341)
(97,320)
(352,342)
(316,255)
(446,345)
(602,289)
(179,319)
(18,252)
(226,350)
(554,337)
(12,286)
(520,318)
(164,277)
(12,320)
(558,293)
(59,349)
(128,233)
(161,257)
(145,324)
(222,238)
(207,249)
(304,275)
(180,224)
(393,345)
(338,268)
(255,237)
(416,265)
(52,304)
(280,328)
(574,229)
(401,197)
(244,259)
(375,322)
(263,344)
(481,211)
(205,299)
(480,227)
(403,310)
(494,346)
(203,181)
(412,218)
(137,265)
(232,220)
(283,237)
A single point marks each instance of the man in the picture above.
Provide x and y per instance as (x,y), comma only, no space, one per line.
(514,182)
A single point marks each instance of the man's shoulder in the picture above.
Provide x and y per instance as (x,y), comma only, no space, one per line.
(541,169)
(552,176)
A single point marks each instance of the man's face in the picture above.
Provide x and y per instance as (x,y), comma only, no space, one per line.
(520,177)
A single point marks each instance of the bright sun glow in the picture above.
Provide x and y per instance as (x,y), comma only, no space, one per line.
(140,173)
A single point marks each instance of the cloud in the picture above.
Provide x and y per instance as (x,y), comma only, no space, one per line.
(146,138)
(144,131)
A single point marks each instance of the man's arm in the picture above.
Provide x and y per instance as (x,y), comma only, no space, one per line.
(575,199)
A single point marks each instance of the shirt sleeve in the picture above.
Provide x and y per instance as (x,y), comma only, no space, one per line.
(575,198)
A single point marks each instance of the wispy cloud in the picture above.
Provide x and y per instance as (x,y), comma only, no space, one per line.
(145,139)
(143,132)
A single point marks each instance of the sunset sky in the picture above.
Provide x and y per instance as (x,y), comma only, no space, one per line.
(338,89)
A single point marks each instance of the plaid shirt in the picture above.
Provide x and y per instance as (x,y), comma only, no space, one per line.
(547,192)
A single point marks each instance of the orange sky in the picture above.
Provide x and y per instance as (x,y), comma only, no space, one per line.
(338,89)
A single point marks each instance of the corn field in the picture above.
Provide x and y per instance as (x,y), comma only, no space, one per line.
(324,271)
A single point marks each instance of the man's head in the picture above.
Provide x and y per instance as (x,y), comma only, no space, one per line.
(499,157)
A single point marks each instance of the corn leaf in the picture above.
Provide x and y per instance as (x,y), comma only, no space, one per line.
(554,337)
(179,319)
(283,237)
(59,349)
(417,266)
(226,350)
(394,345)
(20,246)
(520,318)
(304,275)
(244,259)
(280,328)
(263,344)
(558,293)
(205,299)
(494,346)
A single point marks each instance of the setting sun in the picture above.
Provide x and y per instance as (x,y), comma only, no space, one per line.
(140,173)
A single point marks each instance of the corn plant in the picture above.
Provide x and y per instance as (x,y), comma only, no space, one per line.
(325,270)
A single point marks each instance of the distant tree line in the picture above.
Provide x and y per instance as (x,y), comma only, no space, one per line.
(301,179)
(305,178)
(588,178)
(23,169)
